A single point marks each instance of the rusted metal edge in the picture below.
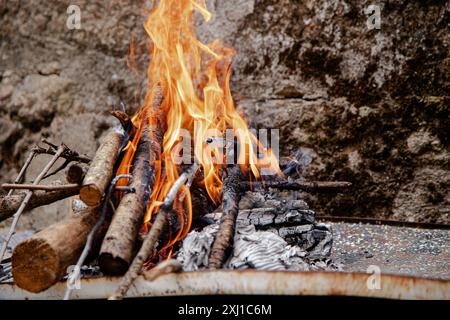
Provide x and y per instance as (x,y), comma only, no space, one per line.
(250,282)
(381,222)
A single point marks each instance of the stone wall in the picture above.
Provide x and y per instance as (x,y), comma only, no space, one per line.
(371,105)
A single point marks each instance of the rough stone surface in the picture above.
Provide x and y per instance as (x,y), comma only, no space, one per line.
(372,105)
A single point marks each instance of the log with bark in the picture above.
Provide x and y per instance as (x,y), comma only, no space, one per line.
(42,260)
(150,242)
(100,171)
(119,245)
(223,241)
(10,204)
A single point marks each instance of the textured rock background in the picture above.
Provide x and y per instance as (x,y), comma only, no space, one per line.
(372,105)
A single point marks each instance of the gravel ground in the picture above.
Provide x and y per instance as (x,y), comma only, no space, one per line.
(395,250)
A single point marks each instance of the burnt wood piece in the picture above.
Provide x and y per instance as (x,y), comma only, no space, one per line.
(223,241)
(150,242)
(75,173)
(276,214)
(308,186)
(10,204)
(123,118)
(119,246)
(100,171)
(42,260)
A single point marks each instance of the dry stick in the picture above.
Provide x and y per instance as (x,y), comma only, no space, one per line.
(119,245)
(230,204)
(90,238)
(23,170)
(27,186)
(67,154)
(10,204)
(150,240)
(317,186)
(27,198)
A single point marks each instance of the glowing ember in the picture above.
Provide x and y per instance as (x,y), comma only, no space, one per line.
(197,103)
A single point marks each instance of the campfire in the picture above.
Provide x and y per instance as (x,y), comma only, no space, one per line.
(181,185)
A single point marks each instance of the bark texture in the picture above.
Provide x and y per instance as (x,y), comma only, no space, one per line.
(101,168)
(42,260)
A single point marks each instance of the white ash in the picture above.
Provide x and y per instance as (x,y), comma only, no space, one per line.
(281,239)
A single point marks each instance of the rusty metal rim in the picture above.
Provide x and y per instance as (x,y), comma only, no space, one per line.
(251,282)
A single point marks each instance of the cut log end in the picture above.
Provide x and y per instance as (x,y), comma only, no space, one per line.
(91,195)
(27,269)
(75,173)
(111,265)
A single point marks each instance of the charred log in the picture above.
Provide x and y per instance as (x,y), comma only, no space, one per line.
(230,204)
(119,245)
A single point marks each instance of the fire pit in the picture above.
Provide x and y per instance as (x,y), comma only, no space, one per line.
(179,198)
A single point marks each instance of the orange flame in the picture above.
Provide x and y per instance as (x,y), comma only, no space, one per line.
(195,78)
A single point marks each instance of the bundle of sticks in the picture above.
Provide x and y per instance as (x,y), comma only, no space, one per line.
(111,234)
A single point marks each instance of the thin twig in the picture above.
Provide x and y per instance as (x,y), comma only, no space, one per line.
(27,198)
(61,167)
(90,238)
(67,154)
(153,235)
(29,186)
(318,186)
(23,170)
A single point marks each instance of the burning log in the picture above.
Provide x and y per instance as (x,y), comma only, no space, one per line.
(118,247)
(310,186)
(230,204)
(10,204)
(101,169)
(152,237)
(43,259)
(75,173)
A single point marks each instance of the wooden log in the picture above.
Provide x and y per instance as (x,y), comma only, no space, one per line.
(149,243)
(42,260)
(10,204)
(44,187)
(101,169)
(75,173)
(119,246)
(230,204)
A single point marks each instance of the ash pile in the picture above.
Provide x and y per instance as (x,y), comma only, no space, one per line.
(271,234)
